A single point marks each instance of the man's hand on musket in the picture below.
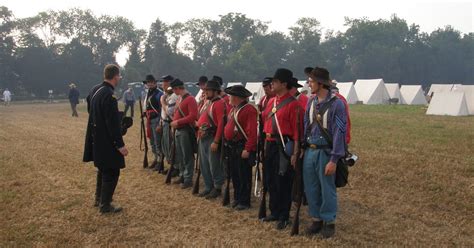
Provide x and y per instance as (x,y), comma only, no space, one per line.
(174,124)
(330,168)
(214,146)
(294,159)
(123,150)
(245,154)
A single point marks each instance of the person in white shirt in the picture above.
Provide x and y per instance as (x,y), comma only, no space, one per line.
(7,97)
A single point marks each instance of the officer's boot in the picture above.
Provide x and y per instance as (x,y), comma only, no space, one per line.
(98,189)
(106,198)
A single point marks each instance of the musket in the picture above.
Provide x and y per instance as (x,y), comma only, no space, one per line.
(172,159)
(143,135)
(262,210)
(198,171)
(298,182)
(226,199)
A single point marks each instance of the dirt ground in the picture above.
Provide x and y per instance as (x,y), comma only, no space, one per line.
(413,185)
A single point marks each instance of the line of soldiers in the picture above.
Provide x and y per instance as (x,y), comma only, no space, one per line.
(299,141)
(296,138)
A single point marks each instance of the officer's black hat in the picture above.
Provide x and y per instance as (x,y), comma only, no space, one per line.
(238,90)
(202,79)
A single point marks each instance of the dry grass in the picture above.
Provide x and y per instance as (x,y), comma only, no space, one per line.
(413,186)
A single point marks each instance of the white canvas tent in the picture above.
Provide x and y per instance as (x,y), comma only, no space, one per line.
(229,84)
(468,91)
(372,91)
(435,88)
(348,91)
(257,91)
(412,95)
(448,103)
(198,95)
(393,91)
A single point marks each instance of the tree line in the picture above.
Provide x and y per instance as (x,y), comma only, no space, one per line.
(53,48)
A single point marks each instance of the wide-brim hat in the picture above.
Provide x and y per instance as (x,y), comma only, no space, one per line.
(167,78)
(212,85)
(176,83)
(295,84)
(202,79)
(218,79)
(267,81)
(321,75)
(238,90)
(284,75)
(149,78)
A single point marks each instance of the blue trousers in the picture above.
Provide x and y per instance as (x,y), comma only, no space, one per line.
(155,139)
(184,154)
(320,189)
(212,169)
(166,140)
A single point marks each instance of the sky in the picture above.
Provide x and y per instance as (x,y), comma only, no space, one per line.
(280,14)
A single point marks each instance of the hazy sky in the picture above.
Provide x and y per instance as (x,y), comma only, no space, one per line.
(281,14)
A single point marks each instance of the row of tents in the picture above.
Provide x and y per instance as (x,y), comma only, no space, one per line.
(444,99)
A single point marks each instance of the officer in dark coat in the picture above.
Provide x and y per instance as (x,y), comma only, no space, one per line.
(104,143)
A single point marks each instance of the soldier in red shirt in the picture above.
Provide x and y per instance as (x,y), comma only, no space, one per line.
(283,128)
(184,117)
(211,128)
(302,98)
(241,140)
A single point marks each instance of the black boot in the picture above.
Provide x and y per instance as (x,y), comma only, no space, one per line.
(106,197)
(153,165)
(328,230)
(315,228)
(98,188)
(214,193)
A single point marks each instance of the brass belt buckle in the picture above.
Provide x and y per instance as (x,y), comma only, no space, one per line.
(268,135)
(313,146)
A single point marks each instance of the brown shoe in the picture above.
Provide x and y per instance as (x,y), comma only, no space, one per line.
(179,181)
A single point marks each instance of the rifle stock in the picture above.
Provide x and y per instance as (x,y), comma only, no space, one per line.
(299,199)
(298,182)
(262,211)
(198,171)
(226,199)
(143,135)
(173,157)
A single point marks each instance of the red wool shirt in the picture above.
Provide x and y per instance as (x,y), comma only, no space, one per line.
(303,100)
(287,119)
(189,108)
(247,119)
(217,107)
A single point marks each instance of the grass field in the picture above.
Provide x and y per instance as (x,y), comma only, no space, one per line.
(413,185)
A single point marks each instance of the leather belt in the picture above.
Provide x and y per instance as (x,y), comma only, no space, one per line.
(317,147)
